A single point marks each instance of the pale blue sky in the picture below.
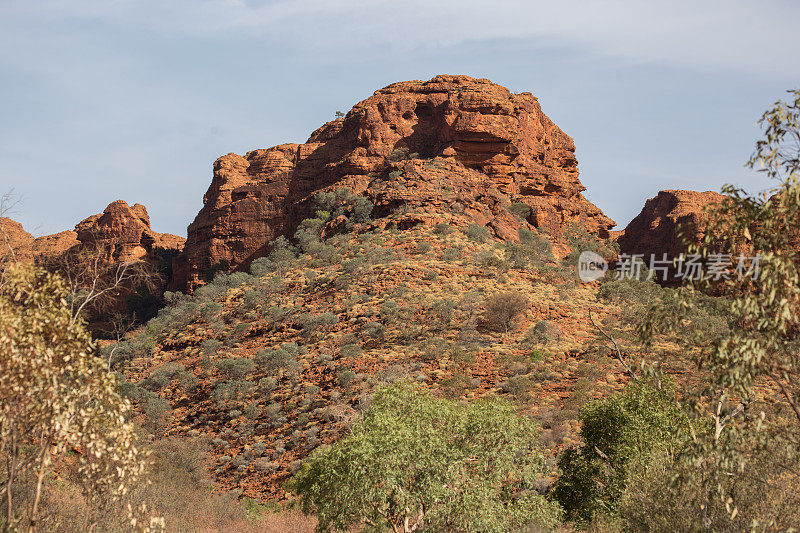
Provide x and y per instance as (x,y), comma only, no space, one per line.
(109,99)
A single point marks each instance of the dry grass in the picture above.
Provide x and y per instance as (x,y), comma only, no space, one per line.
(181,492)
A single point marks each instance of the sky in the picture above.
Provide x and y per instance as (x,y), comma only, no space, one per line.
(135,99)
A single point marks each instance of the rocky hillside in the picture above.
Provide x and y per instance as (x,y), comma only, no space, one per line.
(269,366)
(453,149)
(433,234)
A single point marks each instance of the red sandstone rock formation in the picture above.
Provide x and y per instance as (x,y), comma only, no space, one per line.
(123,233)
(120,234)
(657,228)
(453,149)
(26,247)
(13,238)
(54,245)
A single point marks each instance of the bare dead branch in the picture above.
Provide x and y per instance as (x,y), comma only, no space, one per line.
(619,356)
(787,394)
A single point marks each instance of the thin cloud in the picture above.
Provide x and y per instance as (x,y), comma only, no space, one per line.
(746,36)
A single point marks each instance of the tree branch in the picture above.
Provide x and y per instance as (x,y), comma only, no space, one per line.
(619,357)
(787,394)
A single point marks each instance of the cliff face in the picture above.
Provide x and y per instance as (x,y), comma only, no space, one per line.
(657,228)
(452,149)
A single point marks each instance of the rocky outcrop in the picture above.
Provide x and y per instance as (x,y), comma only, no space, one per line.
(123,233)
(25,247)
(453,149)
(53,245)
(657,229)
(13,238)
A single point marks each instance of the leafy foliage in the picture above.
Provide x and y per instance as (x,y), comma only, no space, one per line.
(477,233)
(415,460)
(55,397)
(581,240)
(761,347)
(533,250)
(618,434)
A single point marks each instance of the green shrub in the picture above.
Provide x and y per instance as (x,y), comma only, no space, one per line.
(317,322)
(434,349)
(580,240)
(267,385)
(455,385)
(252,411)
(350,350)
(155,409)
(488,259)
(232,390)
(442,311)
(519,386)
(619,434)
(282,253)
(543,332)
(157,380)
(450,466)
(389,309)
(533,250)
(210,347)
(399,154)
(263,266)
(283,358)
(520,210)
(477,233)
(373,330)
(345,378)
(236,367)
(353,265)
(209,310)
(451,253)
(422,248)
(235,335)
(442,228)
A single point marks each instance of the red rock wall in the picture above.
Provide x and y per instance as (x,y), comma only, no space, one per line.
(478,148)
(656,229)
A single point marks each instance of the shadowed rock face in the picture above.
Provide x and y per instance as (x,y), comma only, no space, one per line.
(656,230)
(465,149)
